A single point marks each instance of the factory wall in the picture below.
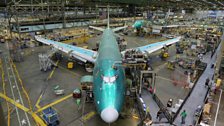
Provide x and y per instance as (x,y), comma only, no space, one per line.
(33,28)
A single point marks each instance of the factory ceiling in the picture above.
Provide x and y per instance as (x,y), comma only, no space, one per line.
(183,4)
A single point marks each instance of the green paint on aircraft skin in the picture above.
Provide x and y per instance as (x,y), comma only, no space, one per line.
(138,24)
(108,94)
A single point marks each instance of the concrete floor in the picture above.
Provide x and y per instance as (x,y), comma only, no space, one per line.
(166,89)
(35,82)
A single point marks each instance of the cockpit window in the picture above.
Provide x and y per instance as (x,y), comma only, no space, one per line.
(109,79)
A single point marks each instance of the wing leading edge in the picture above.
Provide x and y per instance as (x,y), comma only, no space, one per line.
(156,46)
(79,53)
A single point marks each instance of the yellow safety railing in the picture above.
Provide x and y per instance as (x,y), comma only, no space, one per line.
(4,91)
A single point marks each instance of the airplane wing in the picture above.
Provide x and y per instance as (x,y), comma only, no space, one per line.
(97,28)
(119,28)
(79,53)
(114,29)
(155,46)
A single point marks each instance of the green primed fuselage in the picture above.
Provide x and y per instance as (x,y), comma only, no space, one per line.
(108,94)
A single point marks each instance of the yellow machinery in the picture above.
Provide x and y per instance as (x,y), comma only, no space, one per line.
(164,53)
(171,65)
(79,36)
(85,47)
(218,82)
(70,65)
(79,39)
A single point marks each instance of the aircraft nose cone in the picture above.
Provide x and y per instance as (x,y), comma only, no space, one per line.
(109,115)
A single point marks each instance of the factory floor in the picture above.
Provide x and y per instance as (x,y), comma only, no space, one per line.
(165,87)
(198,94)
(39,87)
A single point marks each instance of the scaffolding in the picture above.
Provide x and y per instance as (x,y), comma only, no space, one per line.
(45,60)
